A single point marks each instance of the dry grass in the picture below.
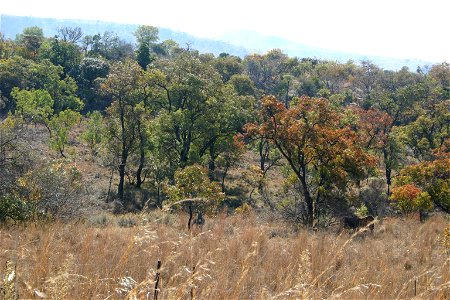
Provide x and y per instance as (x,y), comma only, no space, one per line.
(234,258)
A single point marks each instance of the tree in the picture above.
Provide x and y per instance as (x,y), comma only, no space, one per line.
(143,55)
(194,192)
(228,66)
(37,106)
(27,74)
(375,128)
(70,34)
(322,151)
(60,126)
(409,199)
(30,39)
(431,177)
(146,34)
(121,127)
(92,70)
(62,53)
(190,96)
(34,106)
(107,45)
(129,88)
(94,131)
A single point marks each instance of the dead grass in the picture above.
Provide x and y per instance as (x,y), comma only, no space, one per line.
(231,258)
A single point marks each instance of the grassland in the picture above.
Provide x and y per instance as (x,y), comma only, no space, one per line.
(231,257)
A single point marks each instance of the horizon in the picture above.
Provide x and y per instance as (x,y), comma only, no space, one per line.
(421,26)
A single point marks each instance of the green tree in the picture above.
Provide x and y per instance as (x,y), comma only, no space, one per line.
(37,106)
(60,126)
(94,131)
(190,95)
(146,34)
(34,106)
(62,53)
(27,74)
(143,55)
(129,88)
(31,40)
(194,192)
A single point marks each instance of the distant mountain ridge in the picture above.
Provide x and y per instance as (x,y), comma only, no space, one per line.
(239,43)
(10,26)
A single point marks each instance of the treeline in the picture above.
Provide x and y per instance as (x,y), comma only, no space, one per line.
(173,121)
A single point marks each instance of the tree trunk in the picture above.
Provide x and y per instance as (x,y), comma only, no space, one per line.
(139,179)
(121,181)
(185,151)
(263,151)
(212,162)
(190,216)
(388,171)
(308,201)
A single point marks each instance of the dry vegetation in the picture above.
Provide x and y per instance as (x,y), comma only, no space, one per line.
(237,257)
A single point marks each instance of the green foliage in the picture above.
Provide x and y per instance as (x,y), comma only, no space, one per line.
(62,53)
(60,126)
(35,106)
(94,131)
(146,34)
(143,56)
(14,208)
(21,73)
(30,39)
(194,189)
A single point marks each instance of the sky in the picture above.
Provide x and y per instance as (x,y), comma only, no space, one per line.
(392,28)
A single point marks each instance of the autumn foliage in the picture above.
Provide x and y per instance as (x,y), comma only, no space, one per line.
(322,150)
(409,199)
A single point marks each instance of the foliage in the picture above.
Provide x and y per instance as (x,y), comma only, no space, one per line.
(433,177)
(146,34)
(94,131)
(34,106)
(323,153)
(194,192)
(30,39)
(60,126)
(62,53)
(52,190)
(409,199)
(158,108)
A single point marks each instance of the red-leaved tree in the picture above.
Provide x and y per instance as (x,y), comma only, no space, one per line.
(322,150)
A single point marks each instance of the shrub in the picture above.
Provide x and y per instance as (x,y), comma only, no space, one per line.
(409,199)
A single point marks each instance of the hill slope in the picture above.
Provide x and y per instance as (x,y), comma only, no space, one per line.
(238,43)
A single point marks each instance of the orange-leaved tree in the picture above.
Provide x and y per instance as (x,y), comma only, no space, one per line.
(323,151)
(409,199)
(433,177)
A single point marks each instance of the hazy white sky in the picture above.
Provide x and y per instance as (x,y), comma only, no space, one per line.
(393,28)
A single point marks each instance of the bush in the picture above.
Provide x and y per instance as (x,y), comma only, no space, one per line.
(409,199)
(15,209)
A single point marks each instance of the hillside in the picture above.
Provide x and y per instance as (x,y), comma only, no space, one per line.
(10,26)
(236,43)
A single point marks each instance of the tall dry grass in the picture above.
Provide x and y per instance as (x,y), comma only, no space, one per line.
(231,258)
